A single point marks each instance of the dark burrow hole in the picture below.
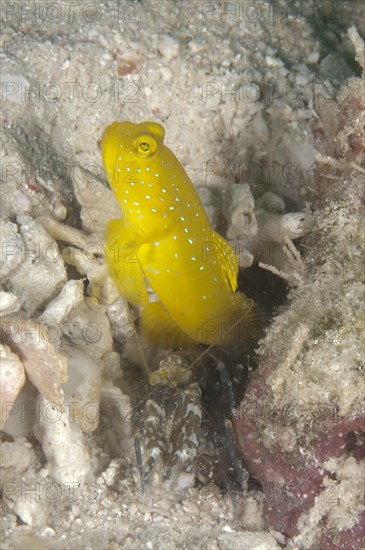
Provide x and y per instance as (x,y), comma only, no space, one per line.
(269,292)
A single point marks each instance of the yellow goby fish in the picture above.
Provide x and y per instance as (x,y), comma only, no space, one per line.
(164,241)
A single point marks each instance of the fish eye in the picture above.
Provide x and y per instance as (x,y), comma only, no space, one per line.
(145,146)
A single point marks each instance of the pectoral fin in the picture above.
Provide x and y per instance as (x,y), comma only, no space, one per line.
(161,329)
(121,255)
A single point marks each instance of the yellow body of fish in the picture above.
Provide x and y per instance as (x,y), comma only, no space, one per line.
(164,241)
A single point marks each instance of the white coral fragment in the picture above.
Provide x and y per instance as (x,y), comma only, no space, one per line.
(82,389)
(45,367)
(41,272)
(70,296)
(9,303)
(277,227)
(88,328)
(240,212)
(63,444)
(265,234)
(12,375)
(85,254)
(358,44)
(11,248)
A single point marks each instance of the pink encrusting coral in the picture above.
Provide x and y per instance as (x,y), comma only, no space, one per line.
(351,538)
(293,478)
